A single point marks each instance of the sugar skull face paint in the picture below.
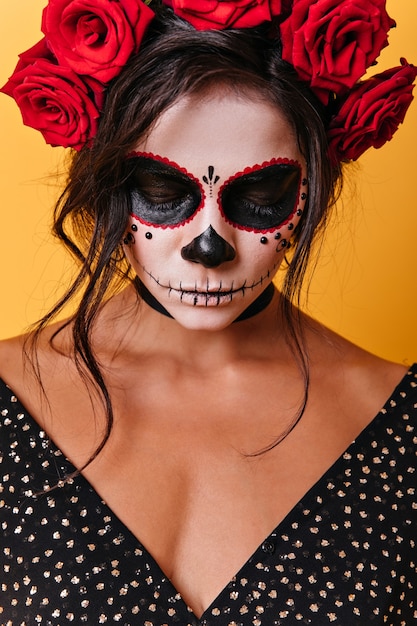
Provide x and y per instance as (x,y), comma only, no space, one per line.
(213,206)
(260,199)
(163,194)
(264,197)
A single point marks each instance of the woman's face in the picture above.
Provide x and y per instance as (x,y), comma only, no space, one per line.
(218,187)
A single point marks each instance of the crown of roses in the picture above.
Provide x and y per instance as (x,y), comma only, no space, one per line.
(60,83)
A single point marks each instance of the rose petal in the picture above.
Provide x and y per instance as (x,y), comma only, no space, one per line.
(221,14)
(331,43)
(372,112)
(54,100)
(95,37)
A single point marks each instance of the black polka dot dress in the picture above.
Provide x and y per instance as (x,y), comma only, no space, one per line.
(345,555)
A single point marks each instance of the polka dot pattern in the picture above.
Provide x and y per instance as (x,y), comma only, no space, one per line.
(345,555)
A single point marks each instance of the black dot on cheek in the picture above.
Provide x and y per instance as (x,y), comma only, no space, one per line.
(303,196)
(148,235)
(304,182)
(278,236)
(290,226)
(263,240)
(129,239)
(299,212)
(134,227)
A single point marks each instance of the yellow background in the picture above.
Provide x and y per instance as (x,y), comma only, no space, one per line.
(366,281)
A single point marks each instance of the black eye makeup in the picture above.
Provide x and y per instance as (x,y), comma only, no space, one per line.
(162,193)
(262,198)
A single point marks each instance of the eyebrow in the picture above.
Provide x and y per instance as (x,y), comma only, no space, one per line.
(258,173)
(159,165)
(162,166)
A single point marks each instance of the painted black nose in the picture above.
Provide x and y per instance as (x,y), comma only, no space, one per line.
(209,249)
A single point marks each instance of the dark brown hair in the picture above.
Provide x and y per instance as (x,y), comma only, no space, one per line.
(175,61)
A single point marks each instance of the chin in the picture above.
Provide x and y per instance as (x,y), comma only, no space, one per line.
(205,319)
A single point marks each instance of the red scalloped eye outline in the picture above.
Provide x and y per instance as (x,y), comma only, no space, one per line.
(247,170)
(255,168)
(161,159)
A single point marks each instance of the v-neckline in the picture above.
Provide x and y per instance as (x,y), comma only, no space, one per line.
(306,502)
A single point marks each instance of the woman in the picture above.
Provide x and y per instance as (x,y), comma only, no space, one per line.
(180,449)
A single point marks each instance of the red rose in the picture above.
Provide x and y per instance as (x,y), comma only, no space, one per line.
(331,43)
(95,37)
(220,14)
(54,100)
(372,112)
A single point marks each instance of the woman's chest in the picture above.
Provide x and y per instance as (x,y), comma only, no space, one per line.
(199,500)
(69,551)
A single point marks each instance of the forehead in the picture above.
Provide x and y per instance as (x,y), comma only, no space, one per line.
(225,130)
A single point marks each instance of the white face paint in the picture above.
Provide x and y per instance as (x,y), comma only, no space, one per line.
(218,187)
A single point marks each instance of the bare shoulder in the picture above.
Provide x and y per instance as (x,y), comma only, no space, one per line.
(15,350)
(11,358)
(351,373)
(18,366)
(25,363)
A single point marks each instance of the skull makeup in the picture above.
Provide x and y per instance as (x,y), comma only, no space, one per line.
(213,216)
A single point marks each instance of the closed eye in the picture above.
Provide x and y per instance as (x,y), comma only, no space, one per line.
(262,199)
(161,194)
(256,208)
(159,188)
